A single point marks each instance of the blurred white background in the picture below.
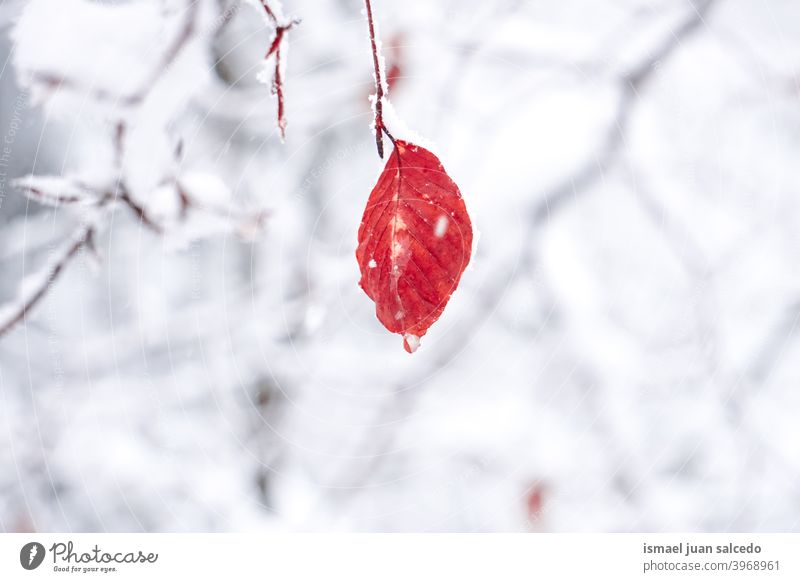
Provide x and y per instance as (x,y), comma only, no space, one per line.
(621,354)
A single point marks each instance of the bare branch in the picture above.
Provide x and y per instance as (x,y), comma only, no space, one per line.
(633,84)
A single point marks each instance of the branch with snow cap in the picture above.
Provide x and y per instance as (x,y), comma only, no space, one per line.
(114,191)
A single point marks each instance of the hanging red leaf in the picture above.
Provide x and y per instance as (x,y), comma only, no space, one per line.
(414,242)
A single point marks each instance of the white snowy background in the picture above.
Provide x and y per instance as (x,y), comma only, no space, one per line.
(622,353)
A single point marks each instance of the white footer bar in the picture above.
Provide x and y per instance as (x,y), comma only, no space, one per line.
(400,557)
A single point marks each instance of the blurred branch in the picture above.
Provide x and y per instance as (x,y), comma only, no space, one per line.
(32,293)
(52,191)
(633,84)
(188,27)
(679,240)
(69,192)
(774,347)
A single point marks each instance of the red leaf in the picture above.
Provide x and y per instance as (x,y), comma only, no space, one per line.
(414,242)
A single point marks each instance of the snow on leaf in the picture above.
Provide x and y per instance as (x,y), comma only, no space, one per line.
(409,264)
(441,226)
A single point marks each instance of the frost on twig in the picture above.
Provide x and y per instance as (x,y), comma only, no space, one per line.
(381,88)
(277,51)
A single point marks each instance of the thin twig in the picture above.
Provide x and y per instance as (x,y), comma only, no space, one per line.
(83,237)
(121,191)
(281,28)
(277,88)
(47,198)
(140,212)
(380,89)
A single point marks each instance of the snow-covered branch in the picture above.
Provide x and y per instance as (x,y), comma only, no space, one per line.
(277,52)
(116,189)
(380,82)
